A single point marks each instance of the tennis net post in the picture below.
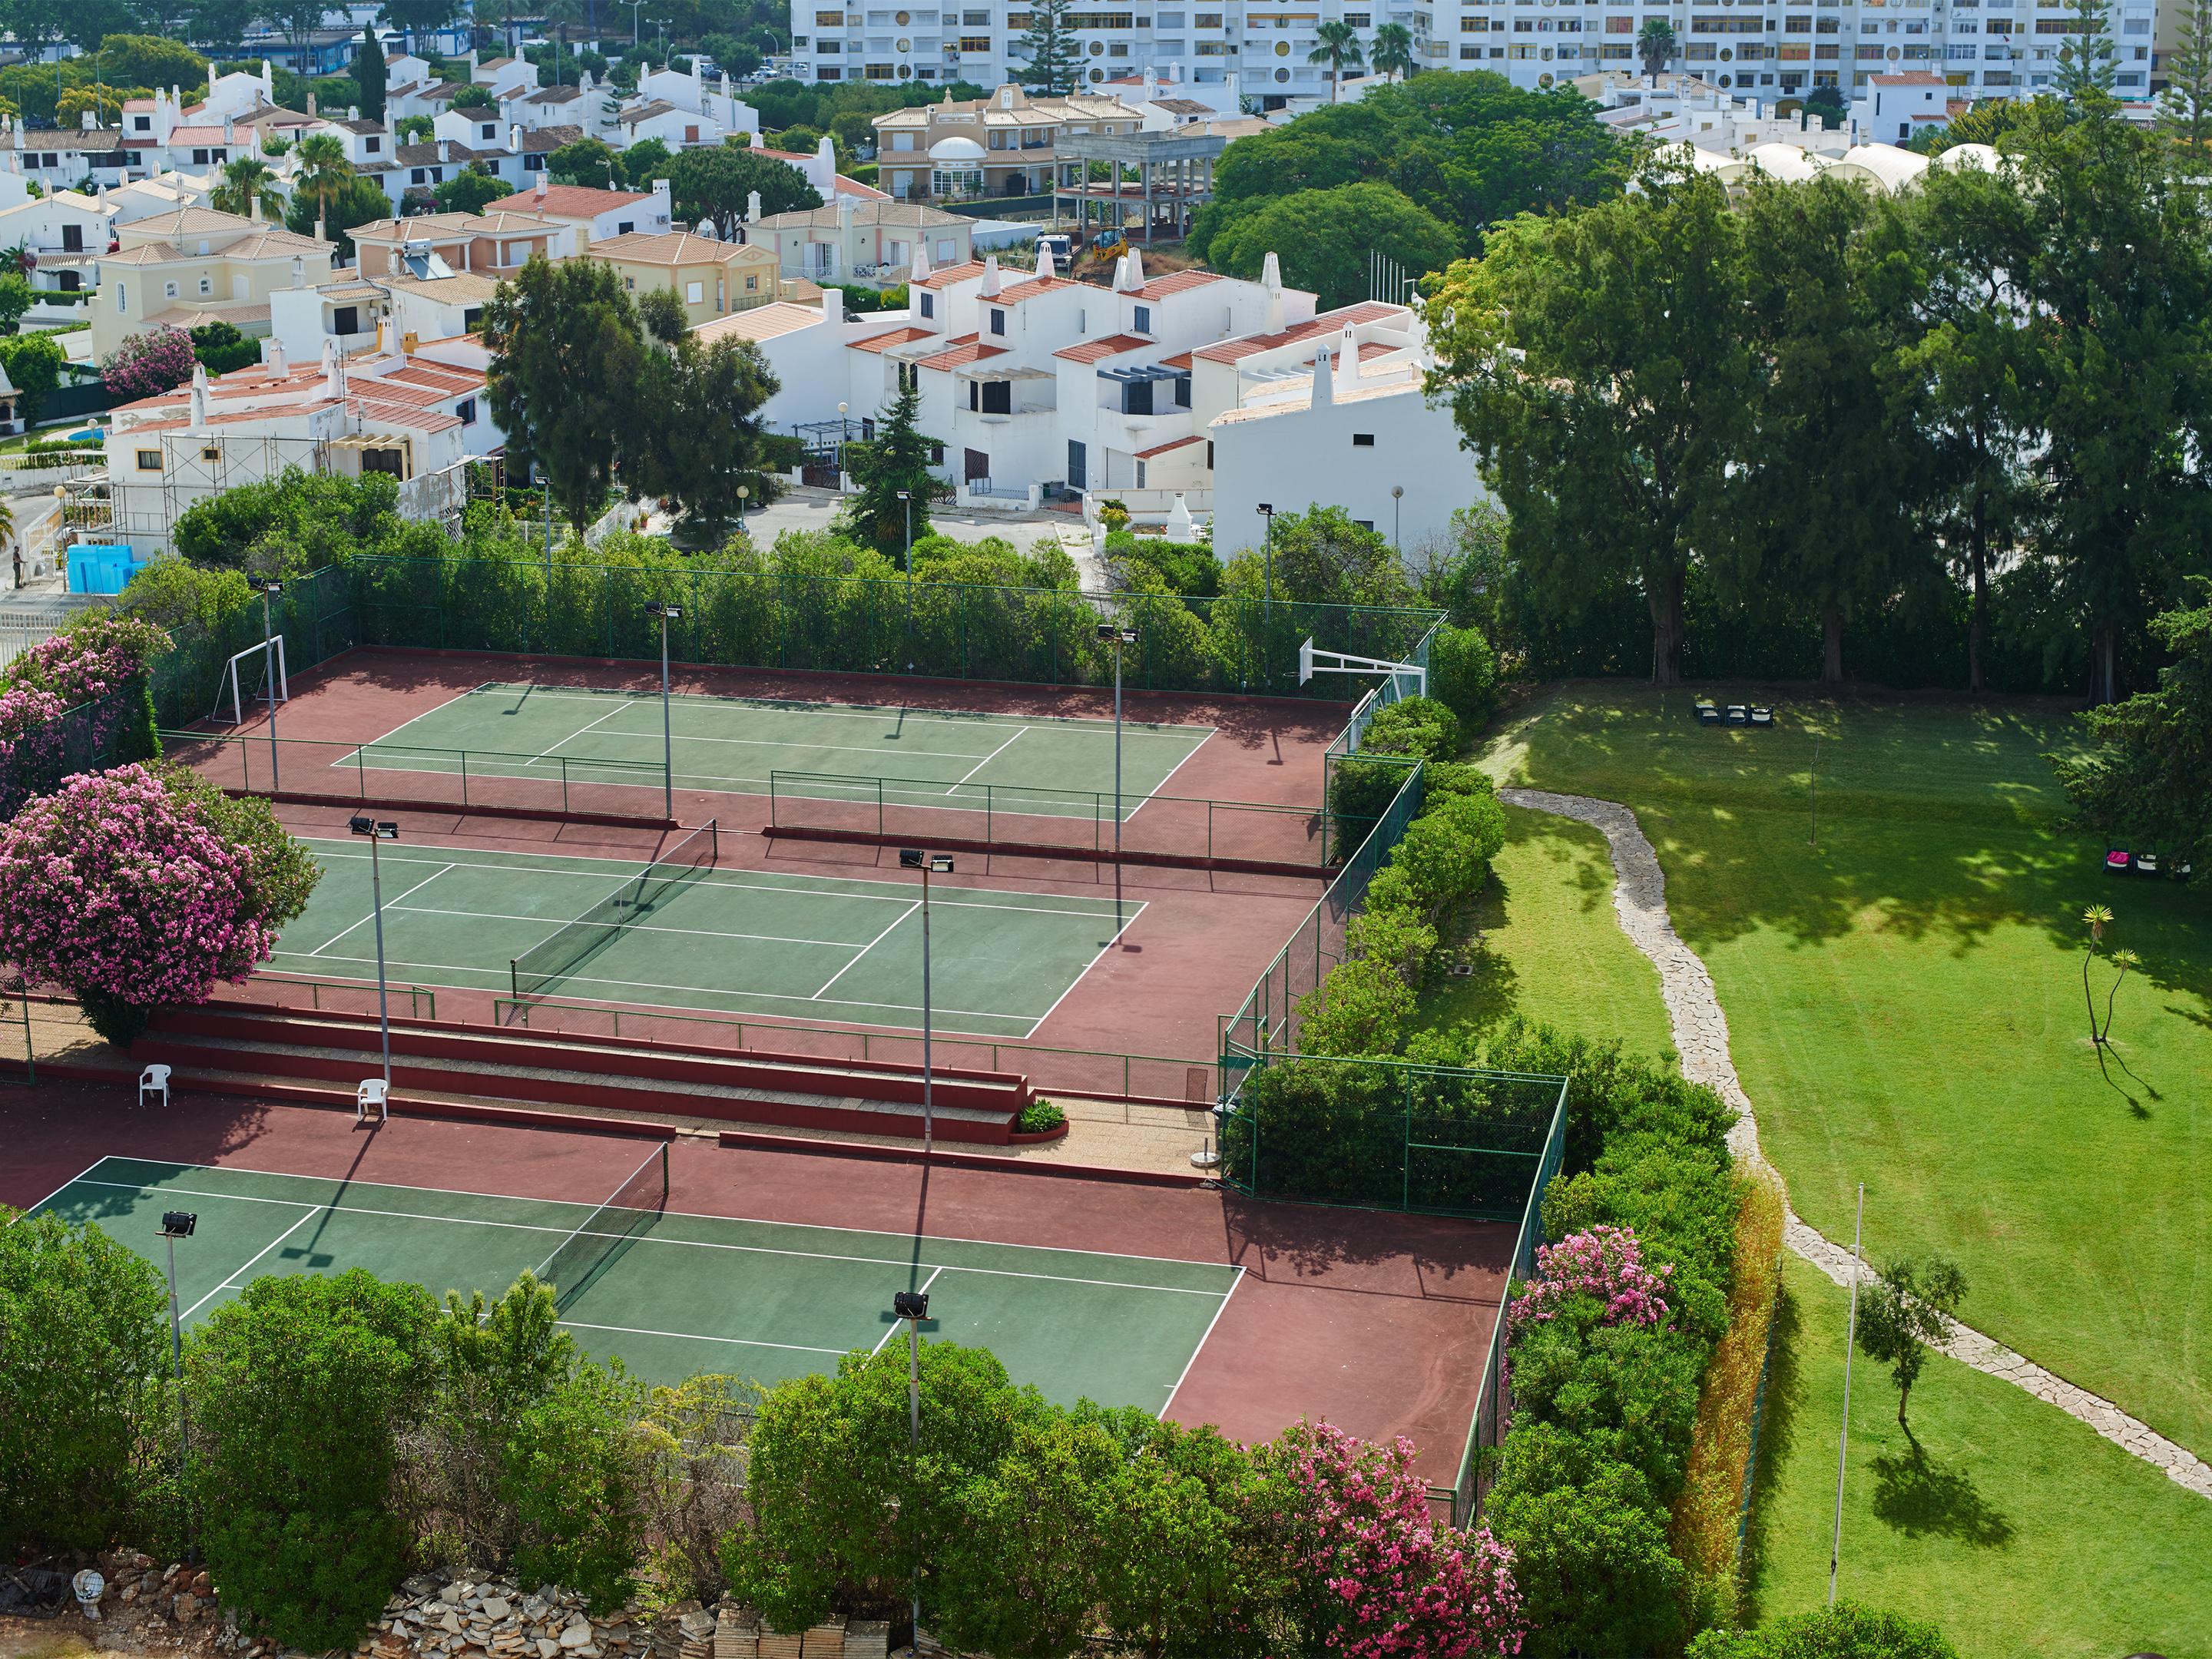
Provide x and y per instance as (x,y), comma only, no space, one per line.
(575,942)
(579,1259)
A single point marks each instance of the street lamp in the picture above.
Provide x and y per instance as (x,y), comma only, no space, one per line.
(376,830)
(269,589)
(913,1306)
(1120,635)
(906,501)
(667,613)
(930,864)
(1397,495)
(1268,584)
(744,493)
(841,409)
(176,1225)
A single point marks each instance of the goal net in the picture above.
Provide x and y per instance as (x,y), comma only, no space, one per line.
(247,678)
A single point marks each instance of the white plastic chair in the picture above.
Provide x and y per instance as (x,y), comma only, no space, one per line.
(155,1079)
(373,1094)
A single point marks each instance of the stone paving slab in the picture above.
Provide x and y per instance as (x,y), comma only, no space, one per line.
(1701,1037)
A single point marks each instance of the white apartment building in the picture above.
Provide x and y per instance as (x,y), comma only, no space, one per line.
(1764,48)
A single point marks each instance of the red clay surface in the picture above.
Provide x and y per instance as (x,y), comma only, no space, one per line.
(1377,1323)
(1192,954)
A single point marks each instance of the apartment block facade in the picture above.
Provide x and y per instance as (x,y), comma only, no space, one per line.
(1760,48)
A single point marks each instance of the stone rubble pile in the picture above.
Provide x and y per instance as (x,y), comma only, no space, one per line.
(156,1598)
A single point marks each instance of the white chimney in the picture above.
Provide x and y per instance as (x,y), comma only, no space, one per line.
(199,394)
(311,111)
(229,132)
(1044,259)
(538,190)
(279,366)
(991,275)
(1324,380)
(919,266)
(752,204)
(833,307)
(1136,269)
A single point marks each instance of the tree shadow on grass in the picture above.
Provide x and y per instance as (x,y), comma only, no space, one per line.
(1779,1410)
(1920,1495)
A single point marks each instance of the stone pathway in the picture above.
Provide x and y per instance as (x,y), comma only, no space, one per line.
(1700,1030)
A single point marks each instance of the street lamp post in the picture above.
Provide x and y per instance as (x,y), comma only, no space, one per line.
(1397,495)
(1120,635)
(744,493)
(842,410)
(269,590)
(930,864)
(176,1225)
(376,830)
(906,501)
(667,613)
(1268,584)
(913,1306)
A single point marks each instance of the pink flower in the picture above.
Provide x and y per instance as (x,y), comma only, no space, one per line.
(1606,1262)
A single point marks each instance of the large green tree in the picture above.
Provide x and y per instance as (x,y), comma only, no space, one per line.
(1324,239)
(371,75)
(2148,782)
(897,458)
(2185,109)
(1597,364)
(715,181)
(566,358)
(699,416)
(1830,468)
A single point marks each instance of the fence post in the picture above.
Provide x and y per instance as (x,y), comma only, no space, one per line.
(564,783)
(1405,1151)
(465,778)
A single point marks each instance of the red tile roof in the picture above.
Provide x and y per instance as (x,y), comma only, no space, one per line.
(1089,351)
(1029,290)
(1175,281)
(1181,359)
(950,274)
(970,350)
(1172,443)
(897,337)
(1329,322)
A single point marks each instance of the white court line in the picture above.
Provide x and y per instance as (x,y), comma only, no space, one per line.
(547,753)
(1161,787)
(985,762)
(863,952)
(232,1278)
(1126,926)
(899,894)
(581,1204)
(1202,1340)
(371,916)
(650,985)
(459,697)
(680,1243)
(891,1330)
(1086,724)
(695,1336)
(634,927)
(83,1174)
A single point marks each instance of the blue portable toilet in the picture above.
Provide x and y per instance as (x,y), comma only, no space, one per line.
(102,566)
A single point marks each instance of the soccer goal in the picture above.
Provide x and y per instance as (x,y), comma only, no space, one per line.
(246,678)
(1312,662)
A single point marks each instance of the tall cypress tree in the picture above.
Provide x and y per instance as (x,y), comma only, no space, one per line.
(2086,72)
(370,71)
(2185,109)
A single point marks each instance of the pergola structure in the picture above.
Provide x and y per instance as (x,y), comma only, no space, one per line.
(1175,177)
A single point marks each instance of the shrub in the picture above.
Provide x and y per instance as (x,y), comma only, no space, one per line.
(142,886)
(1447,849)
(1040,1115)
(147,365)
(1845,1631)
(221,348)
(33,366)
(1464,673)
(301,1389)
(1420,727)
(1360,1008)
(97,657)
(578,1475)
(84,1402)
(1589,1556)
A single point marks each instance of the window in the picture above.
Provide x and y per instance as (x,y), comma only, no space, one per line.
(1470,53)
(206,287)
(346,319)
(879,72)
(1182,391)
(119,302)
(211,453)
(695,293)
(1359,20)
(999,322)
(418,176)
(828,20)
(1144,319)
(1798,22)
(372,144)
(1827,26)
(991,396)
(72,239)
(1620,26)
(142,124)
(168,290)
(975,43)
(1208,19)
(1136,397)
(929,305)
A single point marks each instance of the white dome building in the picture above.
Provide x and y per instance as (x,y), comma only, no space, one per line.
(956,167)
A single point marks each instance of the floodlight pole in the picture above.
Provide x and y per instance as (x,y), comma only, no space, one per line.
(1397,495)
(374,832)
(176,1225)
(913,857)
(269,673)
(905,501)
(667,613)
(1850,1340)
(1267,579)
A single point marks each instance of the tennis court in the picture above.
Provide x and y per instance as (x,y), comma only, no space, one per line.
(921,756)
(697,937)
(675,1293)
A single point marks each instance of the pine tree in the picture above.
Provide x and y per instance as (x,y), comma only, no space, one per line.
(1051,47)
(897,458)
(2086,72)
(2184,110)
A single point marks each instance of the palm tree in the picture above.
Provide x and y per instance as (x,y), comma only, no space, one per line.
(1338,48)
(324,169)
(1393,52)
(561,14)
(487,17)
(246,182)
(1655,44)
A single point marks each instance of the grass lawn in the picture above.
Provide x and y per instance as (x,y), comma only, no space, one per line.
(1552,950)
(2013,1527)
(1906,1005)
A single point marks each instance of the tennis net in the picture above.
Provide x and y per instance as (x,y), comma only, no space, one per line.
(609,1231)
(554,958)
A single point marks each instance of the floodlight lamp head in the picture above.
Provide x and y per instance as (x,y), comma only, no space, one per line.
(387,830)
(906,494)
(362,825)
(910,1304)
(910,858)
(270,584)
(940,864)
(1267,509)
(178,1224)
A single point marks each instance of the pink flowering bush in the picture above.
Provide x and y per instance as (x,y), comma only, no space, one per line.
(1384,1579)
(103,661)
(147,365)
(100,655)
(1606,1262)
(143,886)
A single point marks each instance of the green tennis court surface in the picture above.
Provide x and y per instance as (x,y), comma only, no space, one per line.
(733,744)
(726,941)
(689,1293)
